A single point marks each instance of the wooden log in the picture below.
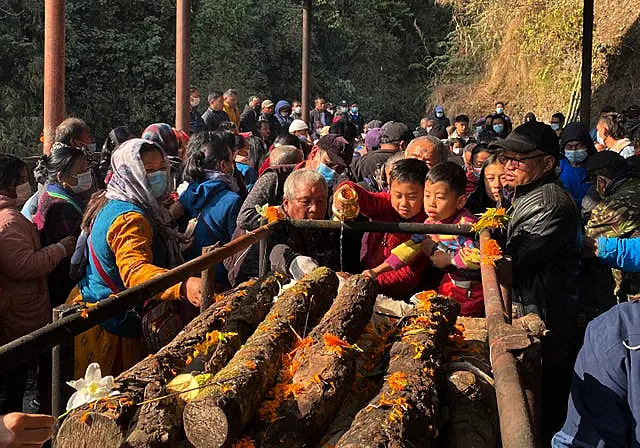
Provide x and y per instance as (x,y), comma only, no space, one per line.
(110,420)
(324,378)
(468,396)
(159,423)
(221,413)
(403,414)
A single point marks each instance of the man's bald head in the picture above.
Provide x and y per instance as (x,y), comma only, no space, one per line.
(429,149)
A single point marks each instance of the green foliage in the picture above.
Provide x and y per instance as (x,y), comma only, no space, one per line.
(120,57)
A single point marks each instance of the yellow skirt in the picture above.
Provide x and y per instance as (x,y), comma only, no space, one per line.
(114,354)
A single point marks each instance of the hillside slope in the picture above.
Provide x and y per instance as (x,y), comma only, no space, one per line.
(527,53)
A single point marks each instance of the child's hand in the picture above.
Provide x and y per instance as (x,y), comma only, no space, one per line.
(370,273)
(427,246)
(440,259)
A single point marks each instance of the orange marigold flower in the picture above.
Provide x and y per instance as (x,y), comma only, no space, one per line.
(85,418)
(491,219)
(244,442)
(334,344)
(397,381)
(273,214)
(250,365)
(84,314)
(302,344)
(293,389)
(491,252)
(424,300)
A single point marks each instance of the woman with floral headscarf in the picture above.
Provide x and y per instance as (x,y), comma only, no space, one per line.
(131,240)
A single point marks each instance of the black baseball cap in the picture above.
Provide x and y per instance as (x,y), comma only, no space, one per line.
(610,160)
(528,137)
(396,132)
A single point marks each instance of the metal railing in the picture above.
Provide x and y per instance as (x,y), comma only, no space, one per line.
(517,395)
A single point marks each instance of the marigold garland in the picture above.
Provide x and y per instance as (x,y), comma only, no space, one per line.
(493,218)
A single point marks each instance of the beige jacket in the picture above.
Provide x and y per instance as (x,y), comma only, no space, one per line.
(24,298)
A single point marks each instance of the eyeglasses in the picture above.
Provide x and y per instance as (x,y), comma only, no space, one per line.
(519,161)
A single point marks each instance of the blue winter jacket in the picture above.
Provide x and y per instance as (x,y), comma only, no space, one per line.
(620,253)
(217,208)
(574,179)
(604,405)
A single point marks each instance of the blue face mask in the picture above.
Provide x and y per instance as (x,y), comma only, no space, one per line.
(479,129)
(328,174)
(555,126)
(498,128)
(600,139)
(499,110)
(577,156)
(158,181)
(354,110)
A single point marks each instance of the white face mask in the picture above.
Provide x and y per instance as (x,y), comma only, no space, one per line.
(298,110)
(23,193)
(84,182)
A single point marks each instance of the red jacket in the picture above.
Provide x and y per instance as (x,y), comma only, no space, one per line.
(376,247)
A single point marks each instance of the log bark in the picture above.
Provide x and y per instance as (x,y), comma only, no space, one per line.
(110,420)
(403,414)
(218,416)
(468,395)
(305,416)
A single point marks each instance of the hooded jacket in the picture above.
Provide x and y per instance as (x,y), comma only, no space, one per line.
(575,178)
(24,265)
(284,122)
(217,207)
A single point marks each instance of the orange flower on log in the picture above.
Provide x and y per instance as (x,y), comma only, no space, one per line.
(491,252)
(244,442)
(336,345)
(397,381)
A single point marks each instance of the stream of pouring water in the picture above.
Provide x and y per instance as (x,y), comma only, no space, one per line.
(341,234)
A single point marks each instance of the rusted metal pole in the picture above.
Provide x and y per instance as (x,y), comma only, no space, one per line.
(587,48)
(183,63)
(53,69)
(29,346)
(208,283)
(307,16)
(376,226)
(505,341)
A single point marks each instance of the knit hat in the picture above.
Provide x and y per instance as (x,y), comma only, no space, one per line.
(298,125)
(338,148)
(372,139)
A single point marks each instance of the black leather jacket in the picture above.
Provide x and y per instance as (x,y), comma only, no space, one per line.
(544,238)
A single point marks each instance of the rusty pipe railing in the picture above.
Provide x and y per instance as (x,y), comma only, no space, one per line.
(516,423)
(376,226)
(39,341)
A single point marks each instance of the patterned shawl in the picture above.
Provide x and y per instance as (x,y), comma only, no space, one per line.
(129,184)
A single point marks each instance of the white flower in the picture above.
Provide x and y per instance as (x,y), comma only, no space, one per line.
(90,388)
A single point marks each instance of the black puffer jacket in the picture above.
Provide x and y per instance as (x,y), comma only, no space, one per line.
(544,238)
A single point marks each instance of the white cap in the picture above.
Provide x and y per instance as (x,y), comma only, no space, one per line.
(298,125)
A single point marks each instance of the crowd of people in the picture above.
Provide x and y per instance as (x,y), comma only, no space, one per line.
(93,228)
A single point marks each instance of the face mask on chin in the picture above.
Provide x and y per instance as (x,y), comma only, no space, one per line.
(328,174)
(84,182)
(23,193)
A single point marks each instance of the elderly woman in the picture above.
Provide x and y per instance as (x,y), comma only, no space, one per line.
(131,240)
(65,175)
(24,265)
